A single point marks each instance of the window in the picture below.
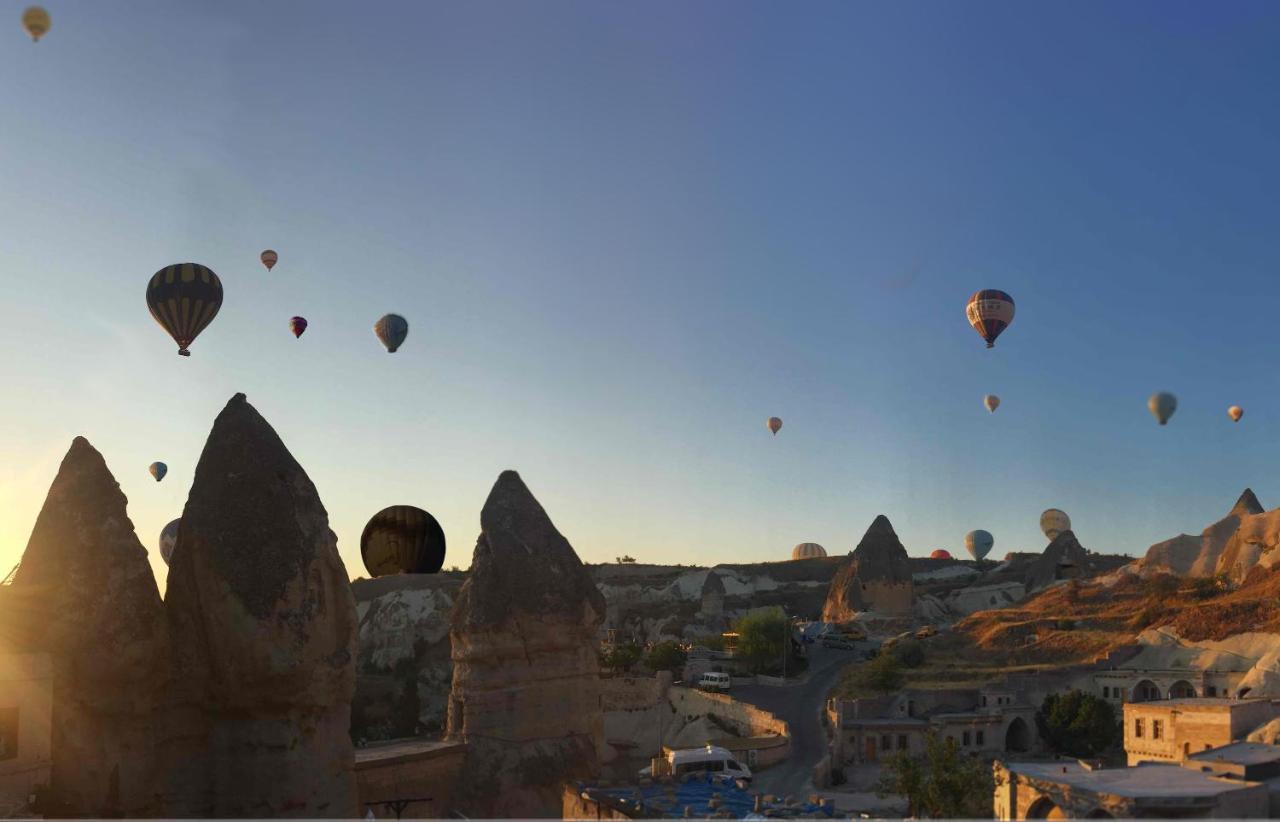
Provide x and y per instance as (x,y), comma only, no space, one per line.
(964,739)
(1210,691)
(981,739)
(884,742)
(984,702)
(734,766)
(902,742)
(1137,728)
(8,733)
(1106,692)
(1156,727)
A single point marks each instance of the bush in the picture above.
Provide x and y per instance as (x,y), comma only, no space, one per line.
(1078,724)
(1161,586)
(620,658)
(666,656)
(761,639)
(882,674)
(909,653)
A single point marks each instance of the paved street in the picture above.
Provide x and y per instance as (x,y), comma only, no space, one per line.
(801,707)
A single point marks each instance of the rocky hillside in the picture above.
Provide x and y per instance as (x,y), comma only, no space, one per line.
(1204,555)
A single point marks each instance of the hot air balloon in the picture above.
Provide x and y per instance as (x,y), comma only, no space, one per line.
(1053,522)
(1162,406)
(808,550)
(992,402)
(269,259)
(297,325)
(158,470)
(36,21)
(1235,412)
(774,424)
(978,544)
(990,313)
(168,539)
(392,329)
(402,539)
(941,553)
(184,299)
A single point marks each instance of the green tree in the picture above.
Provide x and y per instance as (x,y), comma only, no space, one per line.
(761,638)
(942,783)
(883,674)
(1161,586)
(620,658)
(1078,724)
(665,656)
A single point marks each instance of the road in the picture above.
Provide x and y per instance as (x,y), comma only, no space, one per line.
(800,706)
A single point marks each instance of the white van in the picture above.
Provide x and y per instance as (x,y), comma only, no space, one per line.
(710,759)
(715,681)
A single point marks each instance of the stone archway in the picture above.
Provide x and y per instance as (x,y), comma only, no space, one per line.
(1044,808)
(1182,689)
(1146,691)
(1017,737)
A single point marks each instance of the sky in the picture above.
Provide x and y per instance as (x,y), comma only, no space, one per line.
(625,234)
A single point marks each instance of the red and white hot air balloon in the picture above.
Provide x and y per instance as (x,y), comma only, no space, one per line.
(269,259)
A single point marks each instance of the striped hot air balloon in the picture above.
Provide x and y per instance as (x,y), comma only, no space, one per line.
(36,22)
(990,312)
(184,299)
(168,539)
(269,259)
(392,329)
(402,539)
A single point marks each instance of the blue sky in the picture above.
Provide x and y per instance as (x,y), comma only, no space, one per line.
(624,234)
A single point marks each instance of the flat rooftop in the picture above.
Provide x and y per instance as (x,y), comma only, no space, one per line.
(1146,780)
(1240,753)
(1224,703)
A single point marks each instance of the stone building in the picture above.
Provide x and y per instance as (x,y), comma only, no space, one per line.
(1081,790)
(26,731)
(1173,729)
(980,721)
(877,578)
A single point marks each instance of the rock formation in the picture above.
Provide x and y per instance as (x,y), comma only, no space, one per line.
(711,606)
(85,595)
(1064,558)
(1187,555)
(1253,546)
(877,578)
(525,674)
(263,631)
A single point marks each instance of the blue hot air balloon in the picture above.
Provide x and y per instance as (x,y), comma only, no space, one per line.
(979,543)
(158,470)
(392,329)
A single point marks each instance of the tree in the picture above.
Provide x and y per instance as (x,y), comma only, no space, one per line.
(665,656)
(620,658)
(882,674)
(1078,724)
(909,653)
(943,783)
(408,707)
(761,637)
(626,559)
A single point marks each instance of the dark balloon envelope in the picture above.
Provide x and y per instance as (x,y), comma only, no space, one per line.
(184,299)
(402,539)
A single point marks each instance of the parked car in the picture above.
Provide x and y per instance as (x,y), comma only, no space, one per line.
(715,681)
(711,759)
(926,632)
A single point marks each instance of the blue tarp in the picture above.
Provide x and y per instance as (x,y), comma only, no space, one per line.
(695,793)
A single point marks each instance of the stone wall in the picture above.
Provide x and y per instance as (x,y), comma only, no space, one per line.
(748,720)
(631,693)
(411,770)
(577,805)
(26,701)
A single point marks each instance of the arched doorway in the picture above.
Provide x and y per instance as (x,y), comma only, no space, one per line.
(1182,689)
(1044,808)
(1146,691)
(1018,736)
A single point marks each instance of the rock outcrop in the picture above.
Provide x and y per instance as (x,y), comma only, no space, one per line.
(263,631)
(1252,548)
(1064,558)
(711,606)
(85,595)
(877,578)
(1187,555)
(526,681)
